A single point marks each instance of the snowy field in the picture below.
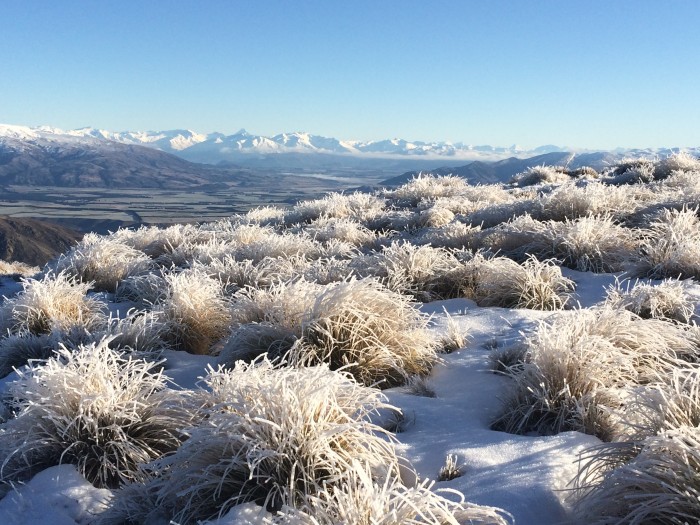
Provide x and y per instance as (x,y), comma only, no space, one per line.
(559,309)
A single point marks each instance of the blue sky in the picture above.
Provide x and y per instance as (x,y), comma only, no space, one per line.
(594,74)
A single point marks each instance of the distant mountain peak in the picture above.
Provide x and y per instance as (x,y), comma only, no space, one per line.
(297,149)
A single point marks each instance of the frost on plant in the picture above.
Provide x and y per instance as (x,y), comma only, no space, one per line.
(370,331)
(103,261)
(57,302)
(93,408)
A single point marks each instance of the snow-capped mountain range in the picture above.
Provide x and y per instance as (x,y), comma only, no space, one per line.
(216,147)
(296,150)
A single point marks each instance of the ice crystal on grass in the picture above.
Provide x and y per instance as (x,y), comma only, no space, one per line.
(94,408)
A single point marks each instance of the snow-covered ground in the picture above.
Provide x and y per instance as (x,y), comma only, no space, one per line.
(528,476)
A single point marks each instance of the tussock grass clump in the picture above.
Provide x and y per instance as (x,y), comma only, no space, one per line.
(592,244)
(102,260)
(577,366)
(264,215)
(347,230)
(681,161)
(455,235)
(630,171)
(17,269)
(420,271)
(195,310)
(540,175)
(251,340)
(672,247)
(234,274)
(362,207)
(490,216)
(285,245)
(159,242)
(283,304)
(141,332)
(435,217)
(427,187)
(57,302)
(328,270)
(470,199)
(635,172)
(653,481)
(17,350)
(373,333)
(673,401)
(275,436)
(143,290)
(682,188)
(667,300)
(95,409)
(517,238)
(358,325)
(365,501)
(572,200)
(499,281)
(299,442)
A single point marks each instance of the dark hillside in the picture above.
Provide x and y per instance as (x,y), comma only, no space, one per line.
(32,241)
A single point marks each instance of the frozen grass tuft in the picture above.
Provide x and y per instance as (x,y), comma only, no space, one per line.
(502,282)
(367,501)
(451,469)
(57,302)
(577,366)
(572,200)
(17,269)
(95,409)
(298,442)
(540,175)
(420,271)
(143,290)
(362,207)
(672,248)
(141,332)
(667,300)
(275,436)
(348,230)
(102,260)
(157,242)
(454,338)
(592,244)
(283,304)
(195,310)
(17,350)
(368,330)
(254,339)
(654,481)
(427,187)
(681,161)
(234,274)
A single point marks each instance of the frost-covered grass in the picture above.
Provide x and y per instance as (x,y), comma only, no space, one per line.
(93,408)
(195,310)
(312,314)
(103,261)
(56,302)
(17,269)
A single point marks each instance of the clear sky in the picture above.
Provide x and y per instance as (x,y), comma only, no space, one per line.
(590,74)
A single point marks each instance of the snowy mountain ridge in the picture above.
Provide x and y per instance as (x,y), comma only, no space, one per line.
(179,141)
(296,149)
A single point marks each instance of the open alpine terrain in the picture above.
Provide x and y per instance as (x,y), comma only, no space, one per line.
(435,353)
